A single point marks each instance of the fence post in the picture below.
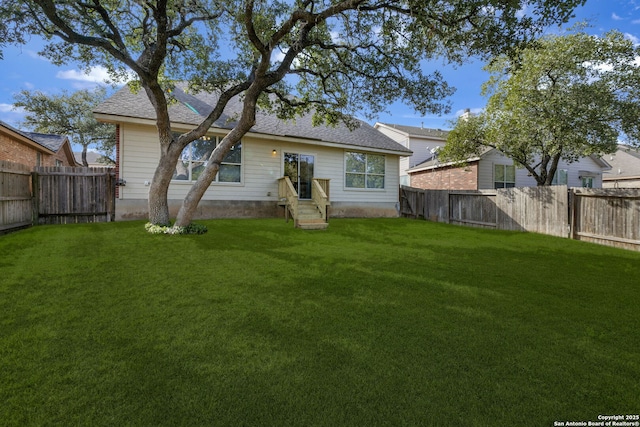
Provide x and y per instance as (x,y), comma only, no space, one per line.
(35,186)
(572,213)
(111,193)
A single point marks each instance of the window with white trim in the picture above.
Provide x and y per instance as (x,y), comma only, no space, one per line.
(504,176)
(561,177)
(364,170)
(195,157)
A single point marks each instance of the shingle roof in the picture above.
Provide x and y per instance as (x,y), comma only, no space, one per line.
(48,141)
(52,142)
(419,131)
(625,162)
(192,108)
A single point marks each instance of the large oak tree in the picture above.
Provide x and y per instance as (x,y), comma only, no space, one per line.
(337,57)
(562,98)
(69,114)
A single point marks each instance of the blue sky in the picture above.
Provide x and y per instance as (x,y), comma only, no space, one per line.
(22,68)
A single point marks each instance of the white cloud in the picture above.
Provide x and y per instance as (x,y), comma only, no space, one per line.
(636,21)
(96,75)
(615,17)
(635,40)
(11,115)
(522,12)
(35,55)
(6,108)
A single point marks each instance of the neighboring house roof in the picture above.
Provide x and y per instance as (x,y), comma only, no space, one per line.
(192,108)
(433,162)
(625,162)
(415,131)
(25,138)
(52,142)
(43,142)
(93,158)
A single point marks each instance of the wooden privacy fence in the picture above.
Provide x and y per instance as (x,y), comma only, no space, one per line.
(66,195)
(55,195)
(16,206)
(610,216)
(607,216)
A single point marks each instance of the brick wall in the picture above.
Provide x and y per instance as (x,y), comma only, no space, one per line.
(48,160)
(447,178)
(15,151)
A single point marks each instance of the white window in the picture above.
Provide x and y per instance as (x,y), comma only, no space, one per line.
(195,156)
(587,181)
(504,176)
(364,170)
(561,177)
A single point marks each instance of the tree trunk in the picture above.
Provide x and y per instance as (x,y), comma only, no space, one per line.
(84,155)
(158,191)
(197,190)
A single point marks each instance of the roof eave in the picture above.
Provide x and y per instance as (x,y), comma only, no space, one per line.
(442,165)
(112,118)
(26,140)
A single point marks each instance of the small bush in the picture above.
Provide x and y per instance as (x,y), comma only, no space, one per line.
(167,229)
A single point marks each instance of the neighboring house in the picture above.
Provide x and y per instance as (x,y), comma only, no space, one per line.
(424,142)
(362,165)
(34,149)
(492,169)
(625,168)
(94,160)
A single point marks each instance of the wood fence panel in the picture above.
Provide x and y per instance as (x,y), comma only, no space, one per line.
(536,209)
(16,201)
(607,216)
(73,195)
(411,202)
(436,205)
(474,208)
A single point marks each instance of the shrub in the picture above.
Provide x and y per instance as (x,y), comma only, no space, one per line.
(168,229)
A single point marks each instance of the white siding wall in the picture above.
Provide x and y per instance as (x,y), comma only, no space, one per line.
(140,153)
(574,171)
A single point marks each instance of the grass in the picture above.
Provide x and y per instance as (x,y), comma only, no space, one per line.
(371,322)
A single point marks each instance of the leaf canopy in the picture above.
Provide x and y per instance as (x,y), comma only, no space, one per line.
(563,98)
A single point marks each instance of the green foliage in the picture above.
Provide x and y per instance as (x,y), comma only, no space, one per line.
(70,115)
(168,229)
(373,322)
(564,97)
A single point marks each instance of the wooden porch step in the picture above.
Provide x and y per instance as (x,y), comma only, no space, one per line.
(312,224)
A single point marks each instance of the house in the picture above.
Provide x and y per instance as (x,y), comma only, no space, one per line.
(94,160)
(424,142)
(34,149)
(492,169)
(359,169)
(625,168)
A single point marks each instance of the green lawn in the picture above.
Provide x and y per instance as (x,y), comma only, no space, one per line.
(371,322)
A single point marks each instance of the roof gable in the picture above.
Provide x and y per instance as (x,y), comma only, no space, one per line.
(25,138)
(625,161)
(191,109)
(52,142)
(415,131)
